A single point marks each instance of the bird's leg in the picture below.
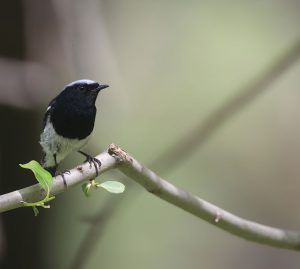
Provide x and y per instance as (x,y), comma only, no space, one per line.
(51,170)
(91,160)
(58,173)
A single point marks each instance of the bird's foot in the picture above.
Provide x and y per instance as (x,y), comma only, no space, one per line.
(92,161)
(62,174)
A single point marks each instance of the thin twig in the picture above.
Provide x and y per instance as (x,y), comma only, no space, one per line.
(115,157)
(191,203)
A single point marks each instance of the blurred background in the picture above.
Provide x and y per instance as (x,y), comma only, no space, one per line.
(205,93)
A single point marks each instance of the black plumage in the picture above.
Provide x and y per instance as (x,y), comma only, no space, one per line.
(69,121)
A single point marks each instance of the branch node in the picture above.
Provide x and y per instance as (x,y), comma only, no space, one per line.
(119,154)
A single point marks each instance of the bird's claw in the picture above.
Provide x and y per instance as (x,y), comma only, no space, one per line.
(94,161)
(58,173)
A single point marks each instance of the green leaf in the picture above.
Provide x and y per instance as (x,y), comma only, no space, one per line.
(112,186)
(42,175)
(86,189)
(45,179)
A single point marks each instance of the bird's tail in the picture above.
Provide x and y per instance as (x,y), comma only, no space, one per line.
(51,170)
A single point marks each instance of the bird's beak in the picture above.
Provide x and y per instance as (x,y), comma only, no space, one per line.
(101,87)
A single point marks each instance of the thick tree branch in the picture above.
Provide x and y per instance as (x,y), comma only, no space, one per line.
(117,158)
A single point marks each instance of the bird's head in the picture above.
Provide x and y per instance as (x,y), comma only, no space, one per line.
(85,89)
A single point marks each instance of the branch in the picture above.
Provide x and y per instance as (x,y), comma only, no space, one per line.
(115,157)
(76,176)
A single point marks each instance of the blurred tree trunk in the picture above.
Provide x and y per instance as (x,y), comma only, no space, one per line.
(18,144)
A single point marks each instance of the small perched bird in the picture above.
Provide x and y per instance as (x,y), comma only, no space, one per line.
(69,122)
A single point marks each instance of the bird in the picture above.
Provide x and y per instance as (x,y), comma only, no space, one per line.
(68,124)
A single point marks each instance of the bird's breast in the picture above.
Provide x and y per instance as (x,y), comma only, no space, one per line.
(55,144)
(74,122)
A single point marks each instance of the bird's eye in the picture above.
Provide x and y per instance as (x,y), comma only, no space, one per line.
(81,88)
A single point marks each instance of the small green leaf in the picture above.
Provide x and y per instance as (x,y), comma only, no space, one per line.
(45,179)
(42,175)
(86,189)
(112,186)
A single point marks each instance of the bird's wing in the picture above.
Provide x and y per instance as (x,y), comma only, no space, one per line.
(48,111)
